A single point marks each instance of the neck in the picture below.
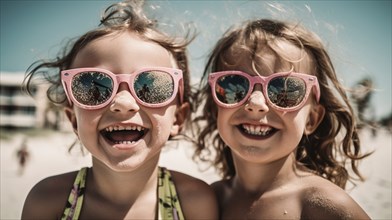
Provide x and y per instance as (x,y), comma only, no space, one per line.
(123,187)
(256,178)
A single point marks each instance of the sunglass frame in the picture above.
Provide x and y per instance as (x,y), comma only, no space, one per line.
(311,82)
(68,75)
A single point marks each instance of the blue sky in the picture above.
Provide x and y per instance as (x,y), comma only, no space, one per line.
(357,33)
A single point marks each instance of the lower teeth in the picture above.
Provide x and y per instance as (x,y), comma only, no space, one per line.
(125,142)
(260,133)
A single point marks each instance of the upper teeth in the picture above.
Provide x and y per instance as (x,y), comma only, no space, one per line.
(120,128)
(256,129)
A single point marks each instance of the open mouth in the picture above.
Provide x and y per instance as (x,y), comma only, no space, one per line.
(123,135)
(257,131)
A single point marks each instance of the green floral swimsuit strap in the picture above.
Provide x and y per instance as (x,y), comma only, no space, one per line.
(75,199)
(169,205)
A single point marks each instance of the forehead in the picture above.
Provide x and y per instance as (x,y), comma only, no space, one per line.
(123,50)
(269,57)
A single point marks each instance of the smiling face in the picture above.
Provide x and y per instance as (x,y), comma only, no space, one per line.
(124,134)
(255,131)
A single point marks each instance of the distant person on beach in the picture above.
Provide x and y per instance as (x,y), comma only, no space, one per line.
(23,156)
(287,145)
(98,81)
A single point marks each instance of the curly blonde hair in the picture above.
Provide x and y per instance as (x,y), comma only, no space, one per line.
(317,151)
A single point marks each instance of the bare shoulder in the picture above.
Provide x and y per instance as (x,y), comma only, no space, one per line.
(195,195)
(47,199)
(323,199)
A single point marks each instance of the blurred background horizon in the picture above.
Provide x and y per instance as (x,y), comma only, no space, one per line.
(357,34)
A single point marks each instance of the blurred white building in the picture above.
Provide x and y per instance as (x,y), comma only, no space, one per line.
(17,108)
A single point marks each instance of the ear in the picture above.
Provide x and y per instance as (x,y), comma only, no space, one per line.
(180,117)
(315,117)
(70,113)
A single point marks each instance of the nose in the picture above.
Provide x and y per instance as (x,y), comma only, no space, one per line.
(123,101)
(256,102)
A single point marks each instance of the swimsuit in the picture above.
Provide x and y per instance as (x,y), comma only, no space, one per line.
(169,206)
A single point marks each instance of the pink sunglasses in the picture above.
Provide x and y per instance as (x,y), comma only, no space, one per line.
(94,88)
(286,91)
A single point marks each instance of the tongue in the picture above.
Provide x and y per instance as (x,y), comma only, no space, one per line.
(124,135)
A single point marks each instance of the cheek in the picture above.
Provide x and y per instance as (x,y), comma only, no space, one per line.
(223,122)
(298,125)
(87,122)
(162,123)
(297,122)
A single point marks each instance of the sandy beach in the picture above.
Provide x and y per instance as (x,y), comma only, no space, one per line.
(48,155)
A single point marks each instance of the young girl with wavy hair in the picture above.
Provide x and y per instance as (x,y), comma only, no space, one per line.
(125,90)
(279,124)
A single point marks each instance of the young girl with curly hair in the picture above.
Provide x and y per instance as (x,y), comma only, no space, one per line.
(125,90)
(280,126)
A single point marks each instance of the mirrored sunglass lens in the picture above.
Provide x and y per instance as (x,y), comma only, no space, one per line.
(231,89)
(92,88)
(286,92)
(154,87)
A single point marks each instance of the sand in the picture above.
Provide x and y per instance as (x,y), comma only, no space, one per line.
(48,155)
